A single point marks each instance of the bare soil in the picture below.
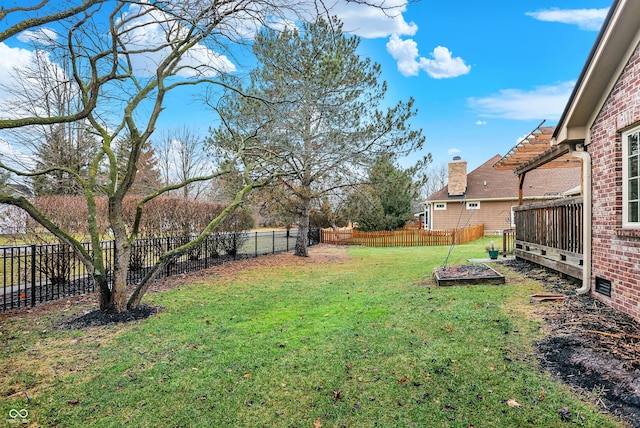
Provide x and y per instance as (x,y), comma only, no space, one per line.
(469,274)
(463,271)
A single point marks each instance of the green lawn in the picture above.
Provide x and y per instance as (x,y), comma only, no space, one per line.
(359,343)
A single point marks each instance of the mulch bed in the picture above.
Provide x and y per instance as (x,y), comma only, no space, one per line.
(97,318)
(590,346)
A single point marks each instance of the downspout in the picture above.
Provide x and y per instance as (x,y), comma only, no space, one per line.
(578,150)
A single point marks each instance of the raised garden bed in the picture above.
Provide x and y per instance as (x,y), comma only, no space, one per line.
(472,274)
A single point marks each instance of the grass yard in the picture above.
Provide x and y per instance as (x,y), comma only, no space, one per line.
(365,340)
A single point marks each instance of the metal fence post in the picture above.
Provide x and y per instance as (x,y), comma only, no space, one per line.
(256,243)
(273,241)
(33,275)
(206,252)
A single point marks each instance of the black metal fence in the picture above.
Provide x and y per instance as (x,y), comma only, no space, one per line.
(34,274)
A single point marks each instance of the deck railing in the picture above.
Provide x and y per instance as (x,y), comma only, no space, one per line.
(550,234)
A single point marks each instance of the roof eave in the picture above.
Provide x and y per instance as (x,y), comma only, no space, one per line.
(604,64)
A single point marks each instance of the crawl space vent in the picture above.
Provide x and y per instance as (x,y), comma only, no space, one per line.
(603,286)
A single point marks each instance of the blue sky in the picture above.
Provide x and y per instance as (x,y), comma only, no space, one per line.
(522,59)
(483,74)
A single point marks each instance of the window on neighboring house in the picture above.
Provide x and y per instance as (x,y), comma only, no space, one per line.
(473,205)
(631,178)
(441,206)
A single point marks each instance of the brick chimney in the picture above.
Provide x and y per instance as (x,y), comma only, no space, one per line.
(457,177)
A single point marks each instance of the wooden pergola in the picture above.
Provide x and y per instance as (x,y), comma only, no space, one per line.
(536,151)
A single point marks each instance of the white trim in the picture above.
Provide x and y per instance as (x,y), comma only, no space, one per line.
(440,206)
(626,177)
(473,205)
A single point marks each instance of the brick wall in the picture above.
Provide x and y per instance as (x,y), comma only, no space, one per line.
(457,180)
(616,252)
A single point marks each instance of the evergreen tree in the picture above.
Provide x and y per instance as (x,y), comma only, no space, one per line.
(322,123)
(384,202)
(65,151)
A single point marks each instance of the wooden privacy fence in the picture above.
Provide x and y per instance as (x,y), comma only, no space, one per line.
(402,238)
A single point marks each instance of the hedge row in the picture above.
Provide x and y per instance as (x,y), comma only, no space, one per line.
(162,217)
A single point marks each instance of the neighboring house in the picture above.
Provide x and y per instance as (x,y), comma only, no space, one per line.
(487,195)
(601,126)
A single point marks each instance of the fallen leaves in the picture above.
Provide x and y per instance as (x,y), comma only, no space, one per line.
(513,403)
(565,414)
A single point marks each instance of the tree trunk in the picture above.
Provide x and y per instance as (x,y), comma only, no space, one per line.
(113,299)
(104,298)
(301,249)
(120,273)
(122,253)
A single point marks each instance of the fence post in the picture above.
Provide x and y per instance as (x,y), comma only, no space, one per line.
(206,252)
(256,243)
(33,275)
(273,241)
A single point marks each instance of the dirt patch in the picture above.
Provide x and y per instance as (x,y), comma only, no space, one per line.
(463,271)
(469,274)
(228,271)
(589,346)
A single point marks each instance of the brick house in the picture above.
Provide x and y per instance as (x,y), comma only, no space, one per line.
(601,126)
(487,194)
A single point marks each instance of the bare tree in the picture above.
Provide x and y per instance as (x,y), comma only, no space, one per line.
(122,58)
(122,72)
(435,179)
(31,17)
(181,155)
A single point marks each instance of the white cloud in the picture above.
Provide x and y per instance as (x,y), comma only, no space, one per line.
(454,151)
(372,22)
(12,157)
(42,35)
(542,102)
(442,66)
(12,59)
(481,122)
(586,19)
(148,31)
